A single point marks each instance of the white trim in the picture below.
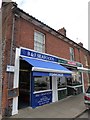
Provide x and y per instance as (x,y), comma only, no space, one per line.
(42,91)
(16,82)
(87,94)
(54,89)
(14,113)
(83,69)
(87,101)
(15,106)
(50,70)
(74,86)
(83,83)
(62,89)
(16,72)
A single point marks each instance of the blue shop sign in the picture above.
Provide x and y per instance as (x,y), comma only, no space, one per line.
(50,74)
(33,54)
(40,99)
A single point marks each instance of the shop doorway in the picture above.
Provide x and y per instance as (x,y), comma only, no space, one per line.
(24,85)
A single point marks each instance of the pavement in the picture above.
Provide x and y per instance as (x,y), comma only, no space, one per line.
(70,107)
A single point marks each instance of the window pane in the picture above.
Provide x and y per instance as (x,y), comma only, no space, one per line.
(76,78)
(61,82)
(71,54)
(41,83)
(39,41)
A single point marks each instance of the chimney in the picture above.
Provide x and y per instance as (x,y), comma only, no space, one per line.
(81,44)
(5,2)
(62,31)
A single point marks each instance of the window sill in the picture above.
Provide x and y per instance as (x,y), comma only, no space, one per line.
(42,91)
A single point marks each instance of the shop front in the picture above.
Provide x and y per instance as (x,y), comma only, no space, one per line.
(86,74)
(74,83)
(42,79)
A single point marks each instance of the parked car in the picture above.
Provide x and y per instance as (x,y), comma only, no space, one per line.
(87,98)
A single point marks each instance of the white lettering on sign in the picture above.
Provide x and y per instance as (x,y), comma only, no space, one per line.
(55,74)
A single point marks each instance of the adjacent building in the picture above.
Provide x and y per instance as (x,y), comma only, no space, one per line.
(40,65)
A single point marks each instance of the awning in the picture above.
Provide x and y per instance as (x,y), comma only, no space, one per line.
(46,66)
(83,69)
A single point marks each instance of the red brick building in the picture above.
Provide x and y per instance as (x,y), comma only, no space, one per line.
(19,29)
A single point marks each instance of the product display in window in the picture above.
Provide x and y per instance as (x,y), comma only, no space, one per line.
(61,81)
(41,83)
(76,79)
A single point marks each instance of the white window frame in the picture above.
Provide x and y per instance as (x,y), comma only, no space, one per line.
(39,45)
(71,53)
(86,60)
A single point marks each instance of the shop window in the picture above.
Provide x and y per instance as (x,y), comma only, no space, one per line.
(71,54)
(39,41)
(76,79)
(41,83)
(69,80)
(61,82)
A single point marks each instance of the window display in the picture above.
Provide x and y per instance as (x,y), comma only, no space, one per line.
(61,81)
(76,79)
(41,83)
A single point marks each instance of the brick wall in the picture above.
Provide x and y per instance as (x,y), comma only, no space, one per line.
(25,37)
(7,18)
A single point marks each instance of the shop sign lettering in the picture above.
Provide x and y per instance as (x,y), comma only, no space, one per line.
(42,98)
(55,74)
(33,54)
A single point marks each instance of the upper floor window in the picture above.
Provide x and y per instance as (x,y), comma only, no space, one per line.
(39,41)
(86,60)
(71,54)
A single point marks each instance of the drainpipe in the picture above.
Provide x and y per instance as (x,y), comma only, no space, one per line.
(11,49)
(12,41)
